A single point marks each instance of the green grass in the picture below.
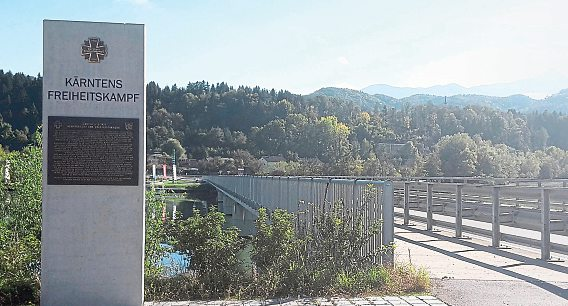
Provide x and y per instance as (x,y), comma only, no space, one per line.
(177,184)
(181,185)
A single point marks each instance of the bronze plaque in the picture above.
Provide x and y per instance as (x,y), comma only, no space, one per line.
(92,151)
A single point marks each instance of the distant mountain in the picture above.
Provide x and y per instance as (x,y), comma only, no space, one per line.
(557,102)
(538,87)
(403,92)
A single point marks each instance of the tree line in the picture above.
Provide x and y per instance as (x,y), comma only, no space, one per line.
(226,127)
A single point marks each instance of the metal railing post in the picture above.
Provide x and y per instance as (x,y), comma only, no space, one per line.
(406,203)
(564,184)
(495,229)
(429,206)
(287,196)
(388,222)
(545,231)
(459,217)
(298,191)
(279,205)
(539,201)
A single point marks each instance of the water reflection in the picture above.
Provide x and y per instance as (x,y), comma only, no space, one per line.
(173,262)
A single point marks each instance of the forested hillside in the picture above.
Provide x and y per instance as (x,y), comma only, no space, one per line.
(228,127)
(20,108)
(326,135)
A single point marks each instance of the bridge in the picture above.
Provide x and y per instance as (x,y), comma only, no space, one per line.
(365,202)
(529,212)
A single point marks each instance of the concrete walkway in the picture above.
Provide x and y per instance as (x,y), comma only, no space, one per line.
(333,301)
(471,272)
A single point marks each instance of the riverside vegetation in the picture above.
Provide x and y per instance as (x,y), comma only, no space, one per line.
(20,226)
(286,260)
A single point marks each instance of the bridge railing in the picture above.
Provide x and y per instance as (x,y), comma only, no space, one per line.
(369,201)
(517,206)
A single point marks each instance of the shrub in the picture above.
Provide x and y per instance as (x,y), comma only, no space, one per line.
(213,253)
(408,279)
(20,226)
(290,256)
(278,255)
(320,256)
(336,244)
(155,235)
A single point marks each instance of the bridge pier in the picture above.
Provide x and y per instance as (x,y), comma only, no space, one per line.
(236,214)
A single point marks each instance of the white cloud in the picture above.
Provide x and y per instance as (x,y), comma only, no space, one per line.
(483,66)
(343,60)
(142,3)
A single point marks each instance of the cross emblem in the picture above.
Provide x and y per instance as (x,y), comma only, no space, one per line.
(94,50)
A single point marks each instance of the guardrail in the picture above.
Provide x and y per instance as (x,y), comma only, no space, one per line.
(309,197)
(506,204)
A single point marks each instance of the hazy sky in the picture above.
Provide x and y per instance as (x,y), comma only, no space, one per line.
(305,45)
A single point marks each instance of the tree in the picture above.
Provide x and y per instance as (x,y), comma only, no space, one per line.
(171,145)
(331,140)
(457,155)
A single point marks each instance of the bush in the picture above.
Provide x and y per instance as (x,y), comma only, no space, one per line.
(155,235)
(406,278)
(290,257)
(278,255)
(328,258)
(213,253)
(20,226)
(20,292)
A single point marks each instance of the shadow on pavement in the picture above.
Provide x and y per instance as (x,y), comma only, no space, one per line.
(526,260)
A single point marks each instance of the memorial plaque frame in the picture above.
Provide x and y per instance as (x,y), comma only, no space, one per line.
(97,162)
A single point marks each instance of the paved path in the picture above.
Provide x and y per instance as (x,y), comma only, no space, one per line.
(471,272)
(334,301)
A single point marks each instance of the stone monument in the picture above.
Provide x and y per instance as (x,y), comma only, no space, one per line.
(94,163)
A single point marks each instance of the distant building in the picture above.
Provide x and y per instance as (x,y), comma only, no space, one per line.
(402,154)
(158,158)
(272,159)
(189,171)
(270,163)
(187,163)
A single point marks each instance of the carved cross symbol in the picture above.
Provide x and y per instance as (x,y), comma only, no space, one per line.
(94,50)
